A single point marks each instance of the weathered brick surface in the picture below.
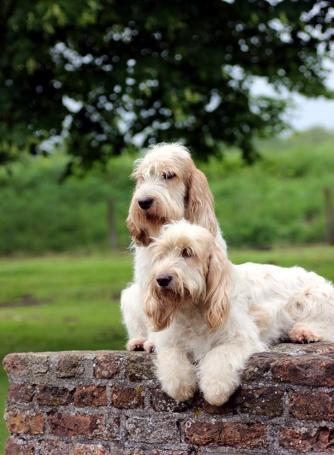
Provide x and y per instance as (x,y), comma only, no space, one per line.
(266,401)
(21,393)
(318,439)
(152,430)
(312,370)
(107,365)
(75,424)
(109,403)
(127,397)
(235,434)
(25,422)
(312,405)
(90,396)
(52,396)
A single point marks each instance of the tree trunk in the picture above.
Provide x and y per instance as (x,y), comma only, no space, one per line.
(329,215)
(111,219)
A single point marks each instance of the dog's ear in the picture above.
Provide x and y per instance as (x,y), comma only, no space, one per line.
(216,304)
(199,203)
(139,236)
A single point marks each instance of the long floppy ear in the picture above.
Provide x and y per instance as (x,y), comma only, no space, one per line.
(139,236)
(216,304)
(200,207)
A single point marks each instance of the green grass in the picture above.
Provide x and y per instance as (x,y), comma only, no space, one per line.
(71,302)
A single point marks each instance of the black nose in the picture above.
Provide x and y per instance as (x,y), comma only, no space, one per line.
(164,280)
(145,203)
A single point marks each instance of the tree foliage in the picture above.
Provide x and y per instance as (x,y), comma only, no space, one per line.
(149,71)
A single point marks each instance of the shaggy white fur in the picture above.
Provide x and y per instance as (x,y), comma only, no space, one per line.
(168,187)
(210,315)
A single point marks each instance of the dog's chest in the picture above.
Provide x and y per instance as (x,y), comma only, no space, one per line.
(143,265)
(196,338)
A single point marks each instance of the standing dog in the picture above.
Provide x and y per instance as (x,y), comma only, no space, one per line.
(211,315)
(168,187)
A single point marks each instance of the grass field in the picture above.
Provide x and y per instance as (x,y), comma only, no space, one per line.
(71,302)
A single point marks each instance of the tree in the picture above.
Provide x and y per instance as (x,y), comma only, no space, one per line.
(124,71)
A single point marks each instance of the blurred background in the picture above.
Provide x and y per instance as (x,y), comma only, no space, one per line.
(85,85)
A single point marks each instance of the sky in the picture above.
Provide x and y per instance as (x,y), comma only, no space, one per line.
(307,112)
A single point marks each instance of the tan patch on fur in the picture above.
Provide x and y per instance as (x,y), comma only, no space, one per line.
(260,316)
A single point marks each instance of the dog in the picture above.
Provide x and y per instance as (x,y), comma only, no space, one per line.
(210,316)
(168,187)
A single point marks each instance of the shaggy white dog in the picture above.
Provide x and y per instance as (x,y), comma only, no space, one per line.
(210,315)
(168,187)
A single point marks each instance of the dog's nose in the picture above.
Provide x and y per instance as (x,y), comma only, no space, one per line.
(164,280)
(145,203)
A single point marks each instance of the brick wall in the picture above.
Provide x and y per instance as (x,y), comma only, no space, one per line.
(106,402)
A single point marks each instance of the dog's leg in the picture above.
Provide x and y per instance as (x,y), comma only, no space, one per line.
(220,370)
(176,374)
(134,319)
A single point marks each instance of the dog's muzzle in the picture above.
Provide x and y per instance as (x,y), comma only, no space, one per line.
(164,280)
(146,203)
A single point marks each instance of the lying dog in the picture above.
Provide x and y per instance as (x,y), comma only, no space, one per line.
(210,315)
(168,187)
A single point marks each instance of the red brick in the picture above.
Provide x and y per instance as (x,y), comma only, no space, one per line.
(312,406)
(17,446)
(140,366)
(161,402)
(52,396)
(258,367)
(54,447)
(266,401)
(89,449)
(25,422)
(311,370)
(21,393)
(65,424)
(90,395)
(107,365)
(29,365)
(243,435)
(201,406)
(170,452)
(70,365)
(307,439)
(15,365)
(234,434)
(127,397)
(152,430)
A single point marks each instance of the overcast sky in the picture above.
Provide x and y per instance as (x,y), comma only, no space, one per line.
(308,112)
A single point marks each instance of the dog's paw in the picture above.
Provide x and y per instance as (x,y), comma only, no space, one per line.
(136,344)
(303,334)
(180,391)
(149,346)
(215,392)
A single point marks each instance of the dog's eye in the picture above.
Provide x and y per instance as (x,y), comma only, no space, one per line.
(187,253)
(168,175)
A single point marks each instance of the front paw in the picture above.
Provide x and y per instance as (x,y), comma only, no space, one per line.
(179,389)
(136,344)
(149,346)
(215,391)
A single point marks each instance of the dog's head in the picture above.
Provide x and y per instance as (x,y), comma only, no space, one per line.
(168,187)
(189,268)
